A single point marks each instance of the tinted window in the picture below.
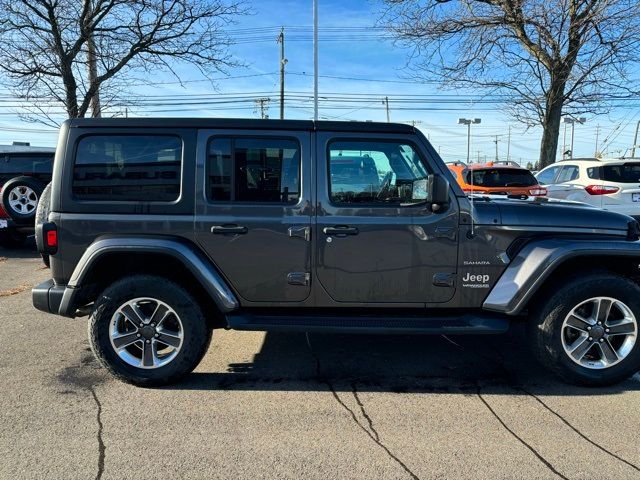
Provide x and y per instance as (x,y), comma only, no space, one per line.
(567,174)
(263,170)
(593,172)
(26,164)
(375,173)
(546,176)
(128,168)
(626,173)
(501,177)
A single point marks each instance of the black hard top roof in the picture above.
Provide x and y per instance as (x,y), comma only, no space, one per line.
(240,123)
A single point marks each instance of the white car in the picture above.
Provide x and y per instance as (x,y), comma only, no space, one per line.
(611,184)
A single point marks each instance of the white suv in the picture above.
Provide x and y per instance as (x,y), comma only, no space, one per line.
(611,184)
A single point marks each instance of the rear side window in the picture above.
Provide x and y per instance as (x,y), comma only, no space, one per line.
(144,168)
(625,173)
(593,172)
(26,164)
(500,177)
(260,170)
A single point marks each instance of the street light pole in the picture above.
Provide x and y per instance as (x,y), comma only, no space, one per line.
(468,122)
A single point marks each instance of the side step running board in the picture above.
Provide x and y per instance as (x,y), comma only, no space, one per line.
(465,324)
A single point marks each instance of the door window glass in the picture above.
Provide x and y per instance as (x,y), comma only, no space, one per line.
(262,170)
(375,172)
(567,174)
(546,176)
(20,164)
(144,168)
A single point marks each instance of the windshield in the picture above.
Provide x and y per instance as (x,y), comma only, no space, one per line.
(625,173)
(501,177)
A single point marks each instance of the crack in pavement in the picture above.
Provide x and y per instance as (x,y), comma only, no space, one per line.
(576,430)
(373,436)
(517,437)
(363,411)
(101,446)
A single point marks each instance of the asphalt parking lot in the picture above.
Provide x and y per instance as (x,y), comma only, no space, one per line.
(290,406)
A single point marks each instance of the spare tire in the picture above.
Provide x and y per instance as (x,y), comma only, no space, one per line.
(20,197)
(42,216)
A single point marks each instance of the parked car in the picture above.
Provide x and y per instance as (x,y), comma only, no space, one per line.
(496,178)
(24,173)
(611,184)
(162,230)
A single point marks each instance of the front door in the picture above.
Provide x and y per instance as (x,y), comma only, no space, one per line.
(253,214)
(377,241)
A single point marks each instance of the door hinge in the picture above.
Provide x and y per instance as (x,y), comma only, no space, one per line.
(300,232)
(444,279)
(298,278)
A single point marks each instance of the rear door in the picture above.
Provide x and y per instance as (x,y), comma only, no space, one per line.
(566,182)
(377,241)
(253,211)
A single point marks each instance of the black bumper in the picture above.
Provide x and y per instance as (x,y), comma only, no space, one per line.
(47,297)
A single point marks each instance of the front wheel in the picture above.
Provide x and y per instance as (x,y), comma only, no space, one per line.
(587,331)
(148,331)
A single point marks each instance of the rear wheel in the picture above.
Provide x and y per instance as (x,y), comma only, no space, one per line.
(148,331)
(587,332)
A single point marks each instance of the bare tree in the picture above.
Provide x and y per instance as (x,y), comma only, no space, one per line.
(69,51)
(548,58)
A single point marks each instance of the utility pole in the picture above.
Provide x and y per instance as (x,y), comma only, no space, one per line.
(92,67)
(283,62)
(262,104)
(595,153)
(386,103)
(635,140)
(478,156)
(564,140)
(315,60)
(496,142)
(509,144)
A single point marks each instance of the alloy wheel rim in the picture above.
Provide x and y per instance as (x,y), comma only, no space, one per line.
(23,200)
(599,333)
(146,333)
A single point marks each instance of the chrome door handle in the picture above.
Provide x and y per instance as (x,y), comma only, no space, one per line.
(340,230)
(228,229)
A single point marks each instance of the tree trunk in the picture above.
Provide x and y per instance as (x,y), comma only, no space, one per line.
(551,126)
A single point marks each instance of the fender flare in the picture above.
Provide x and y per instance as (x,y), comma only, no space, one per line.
(201,268)
(537,260)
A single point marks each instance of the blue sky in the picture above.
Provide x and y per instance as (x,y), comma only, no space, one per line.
(367,56)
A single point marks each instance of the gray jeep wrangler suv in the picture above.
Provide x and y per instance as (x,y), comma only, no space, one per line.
(165,229)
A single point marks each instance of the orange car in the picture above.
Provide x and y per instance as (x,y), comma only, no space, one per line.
(496,178)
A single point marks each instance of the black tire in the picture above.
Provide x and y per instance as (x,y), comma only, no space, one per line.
(196,332)
(545,327)
(31,183)
(42,216)
(12,239)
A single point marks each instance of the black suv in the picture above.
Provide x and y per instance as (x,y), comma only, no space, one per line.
(24,173)
(165,229)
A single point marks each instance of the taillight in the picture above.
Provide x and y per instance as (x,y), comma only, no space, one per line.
(48,234)
(52,239)
(600,189)
(477,192)
(538,192)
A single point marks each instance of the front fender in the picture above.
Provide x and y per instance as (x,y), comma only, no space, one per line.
(533,265)
(202,269)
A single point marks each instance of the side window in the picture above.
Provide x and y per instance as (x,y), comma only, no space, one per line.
(262,170)
(375,172)
(567,174)
(593,172)
(28,164)
(546,177)
(141,168)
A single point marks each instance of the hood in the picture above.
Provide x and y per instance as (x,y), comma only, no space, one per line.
(551,215)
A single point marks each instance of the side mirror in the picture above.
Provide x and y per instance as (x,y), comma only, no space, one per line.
(437,192)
